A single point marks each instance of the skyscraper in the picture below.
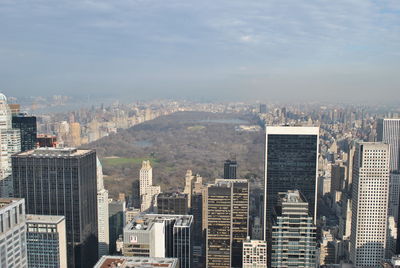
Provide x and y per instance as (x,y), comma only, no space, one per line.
(102,212)
(369,204)
(172,203)
(158,235)
(291,163)
(388,131)
(293,232)
(148,191)
(12,233)
(28,131)
(230,167)
(10,143)
(62,182)
(46,241)
(189,186)
(227,206)
(116,211)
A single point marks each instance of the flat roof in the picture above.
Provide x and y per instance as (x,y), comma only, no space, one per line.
(50,151)
(143,222)
(32,218)
(290,130)
(131,262)
(4,202)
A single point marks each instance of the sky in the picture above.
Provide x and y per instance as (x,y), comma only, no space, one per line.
(278,50)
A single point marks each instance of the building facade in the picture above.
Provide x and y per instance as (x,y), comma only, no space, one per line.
(62,182)
(291,163)
(102,212)
(369,204)
(46,241)
(148,191)
(28,131)
(293,232)
(10,143)
(157,235)
(116,214)
(13,252)
(230,167)
(172,203)
(226,222)
(254,253)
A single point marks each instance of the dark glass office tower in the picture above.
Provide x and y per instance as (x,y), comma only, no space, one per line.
(172,203)
(27,126)
(291,163)
(230,167)
(62,182)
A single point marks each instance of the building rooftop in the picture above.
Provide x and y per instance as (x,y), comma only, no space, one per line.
(4,202)
(145,221)
(291,196)
(172,195)
(56,152)
(135,262)
(32,218)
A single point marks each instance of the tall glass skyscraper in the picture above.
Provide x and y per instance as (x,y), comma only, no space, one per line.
(28,130)
(62,182)
(291,163)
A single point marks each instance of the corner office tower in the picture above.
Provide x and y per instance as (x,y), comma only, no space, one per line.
(62,182)
(291,163)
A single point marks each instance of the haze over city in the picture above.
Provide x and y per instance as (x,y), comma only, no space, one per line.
(337,51)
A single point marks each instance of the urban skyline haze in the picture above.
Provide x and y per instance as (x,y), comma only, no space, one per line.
(345,51)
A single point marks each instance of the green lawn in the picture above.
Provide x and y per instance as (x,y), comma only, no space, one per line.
(118,161)
(196,128)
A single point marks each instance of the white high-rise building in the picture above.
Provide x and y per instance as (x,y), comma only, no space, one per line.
(388,131)
(10,143)
(13,251)
(189,178)
(369,204)
(102,212)
(254,253)
(147,190)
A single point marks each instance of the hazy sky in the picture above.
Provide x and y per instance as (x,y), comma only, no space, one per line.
(340,50)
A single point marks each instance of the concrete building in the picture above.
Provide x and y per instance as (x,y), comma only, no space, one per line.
(293,232)
(226,222)
(10,143)
(136,262)
(369,204)
(13,251)
(172,203)
(46,241)
(328,246)
(148,191)
(254,253)
(189,178)
(62,181)
(388,131)
(157,235)
(102,212)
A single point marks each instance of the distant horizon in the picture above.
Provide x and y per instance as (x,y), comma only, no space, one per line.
(335,51)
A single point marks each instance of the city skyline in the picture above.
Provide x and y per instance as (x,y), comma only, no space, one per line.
(278,50)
